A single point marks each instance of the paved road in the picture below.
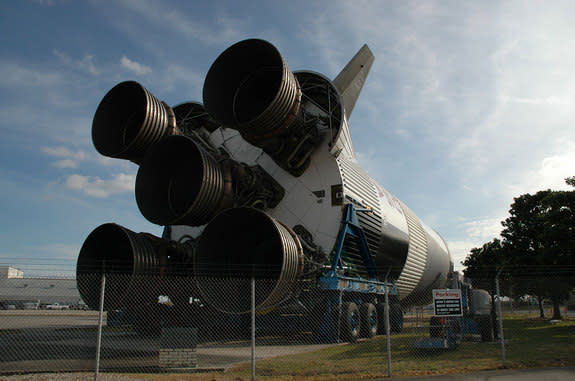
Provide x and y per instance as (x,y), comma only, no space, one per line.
(36,341)
(49,349)
(20,319)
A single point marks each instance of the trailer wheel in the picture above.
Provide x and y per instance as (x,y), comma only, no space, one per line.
(350,322)
(380,307)
(369,321)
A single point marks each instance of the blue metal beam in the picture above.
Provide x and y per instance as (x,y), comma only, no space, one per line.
(350,227)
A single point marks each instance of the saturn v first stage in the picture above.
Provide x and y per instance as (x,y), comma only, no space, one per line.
(253,183)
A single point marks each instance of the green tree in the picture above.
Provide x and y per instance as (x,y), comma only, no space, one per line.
(483,263)
(540,235)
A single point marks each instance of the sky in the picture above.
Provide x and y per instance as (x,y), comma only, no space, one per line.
(468,104)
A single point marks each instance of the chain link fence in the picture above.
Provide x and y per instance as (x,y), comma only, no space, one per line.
(220,329)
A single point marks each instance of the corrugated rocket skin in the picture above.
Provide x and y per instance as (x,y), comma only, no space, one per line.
(416,257)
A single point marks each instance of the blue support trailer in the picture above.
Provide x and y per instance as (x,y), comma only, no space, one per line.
(354,306)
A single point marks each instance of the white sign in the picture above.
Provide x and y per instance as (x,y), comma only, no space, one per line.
(447,303)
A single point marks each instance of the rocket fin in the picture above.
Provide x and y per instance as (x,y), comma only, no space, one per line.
(350,80)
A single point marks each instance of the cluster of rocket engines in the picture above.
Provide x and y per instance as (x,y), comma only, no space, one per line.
(251,184)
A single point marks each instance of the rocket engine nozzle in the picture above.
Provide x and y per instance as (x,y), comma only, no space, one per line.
(242,243)
(129,120)
(182,183)
(179,183)
(250,88)
(131,261)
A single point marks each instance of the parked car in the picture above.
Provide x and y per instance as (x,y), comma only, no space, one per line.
(30,305)
(57,306)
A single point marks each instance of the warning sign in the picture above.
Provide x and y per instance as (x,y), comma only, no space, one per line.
(447,303)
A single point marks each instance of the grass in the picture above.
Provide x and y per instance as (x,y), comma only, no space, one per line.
(530,342)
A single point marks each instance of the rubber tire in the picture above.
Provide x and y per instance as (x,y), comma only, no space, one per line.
(369,320)
(350,322)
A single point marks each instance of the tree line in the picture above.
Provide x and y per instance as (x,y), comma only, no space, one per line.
(535,254)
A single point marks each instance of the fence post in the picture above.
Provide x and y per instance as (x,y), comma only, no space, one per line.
(387,328)
(501,337)
(100,324)
(253,313)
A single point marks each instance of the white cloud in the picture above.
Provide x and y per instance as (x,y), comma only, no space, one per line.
(85,64)
(68,158)
(111,162)
(176,75)
(17,75)
(96,187)
(62,151)
(221,28)
(65,163)
(88,65)
(459,251)
(134,66)
(478,232)
(549,174)
(551,100)
(483,230)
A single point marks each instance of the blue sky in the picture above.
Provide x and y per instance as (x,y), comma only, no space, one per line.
(467,105)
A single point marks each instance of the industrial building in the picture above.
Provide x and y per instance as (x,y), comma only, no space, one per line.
(17,291)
